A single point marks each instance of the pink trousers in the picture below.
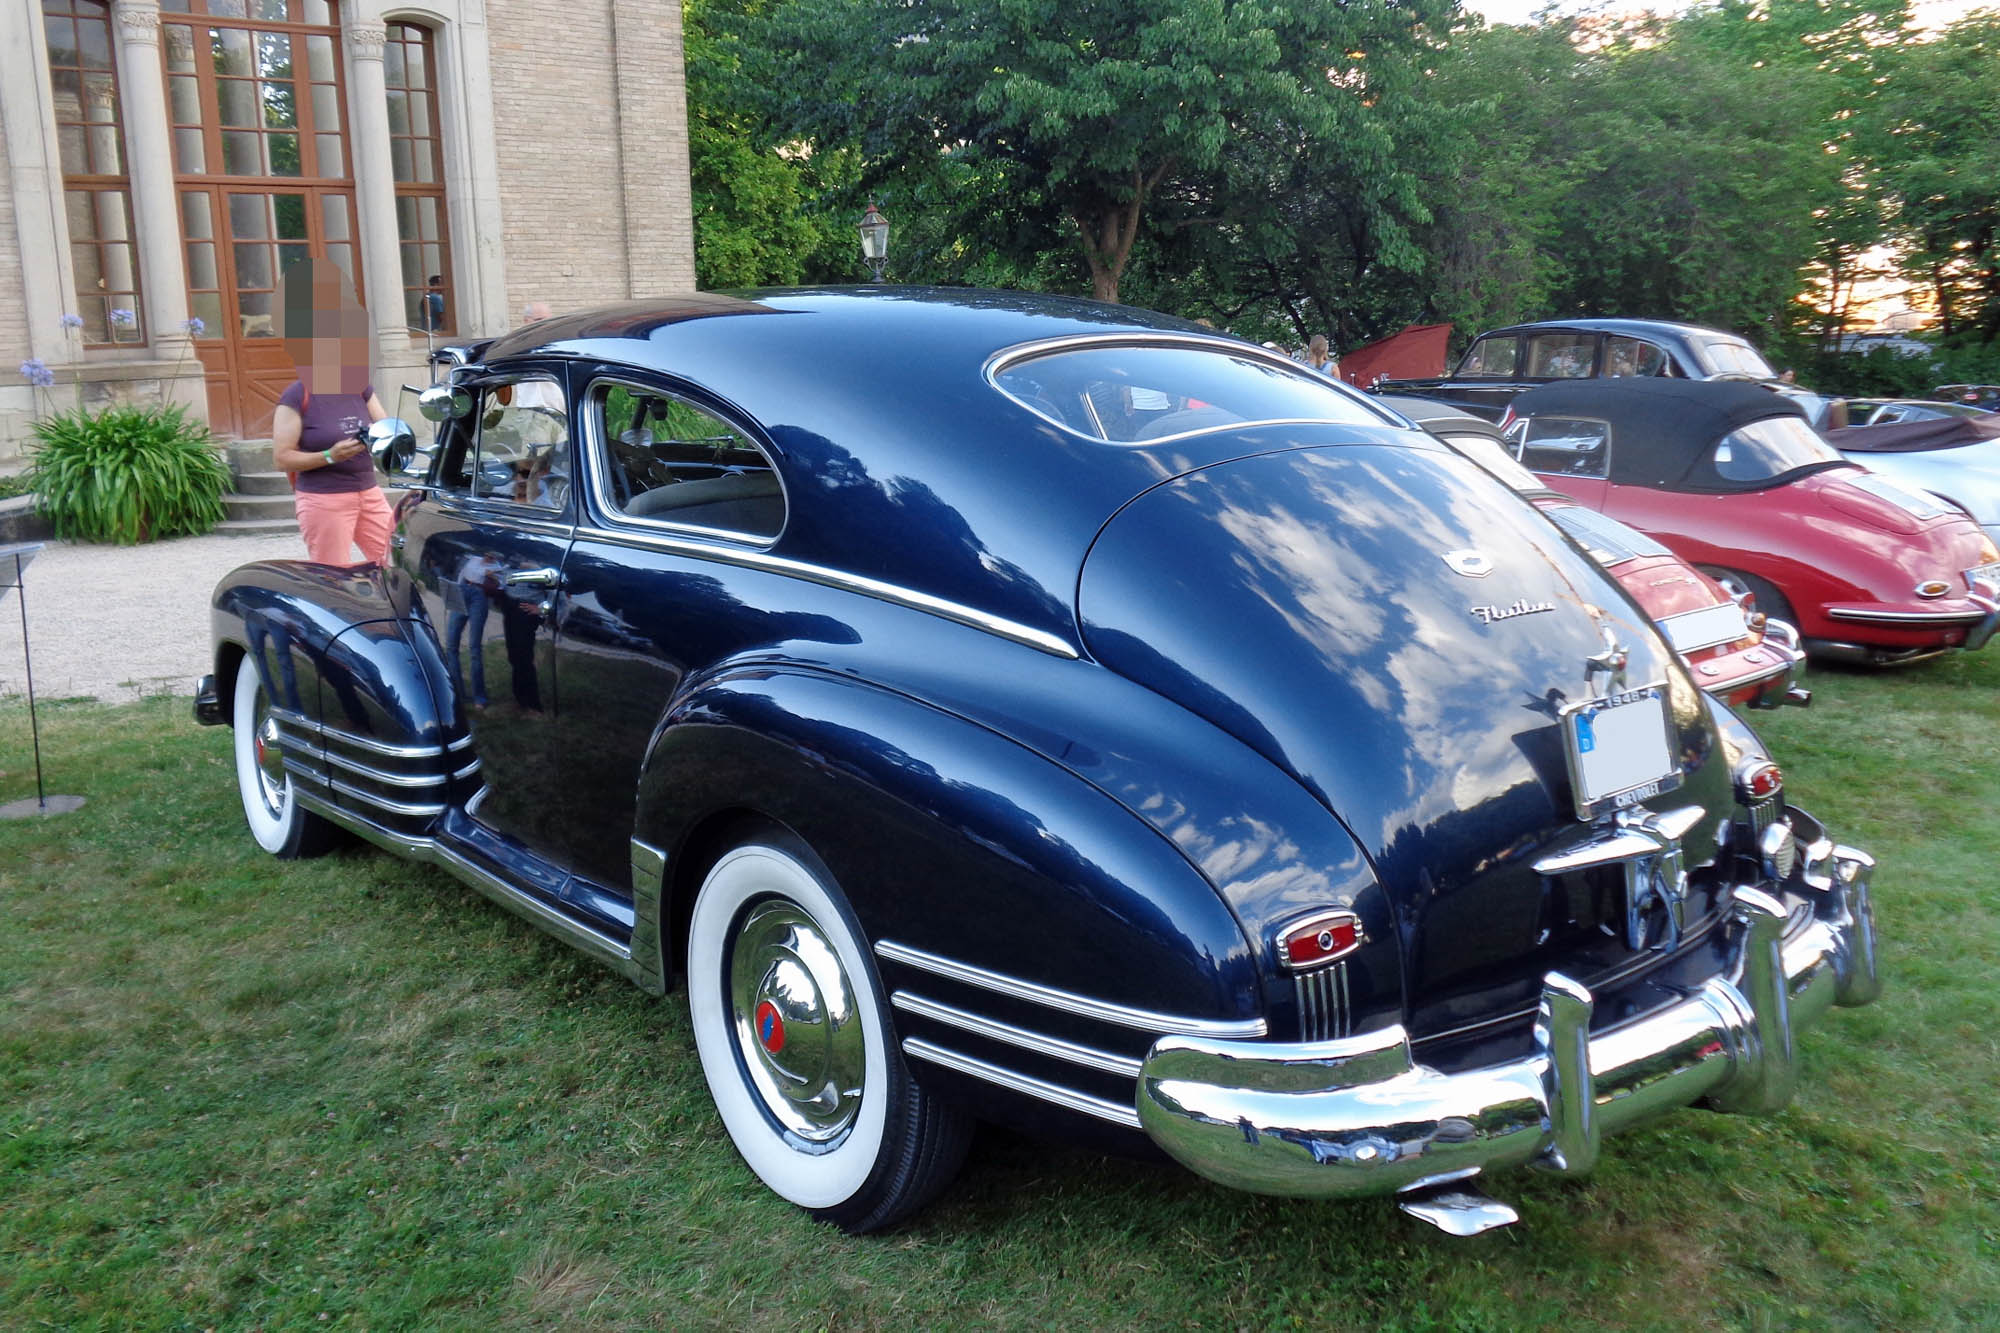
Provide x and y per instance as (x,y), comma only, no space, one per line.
(333,524)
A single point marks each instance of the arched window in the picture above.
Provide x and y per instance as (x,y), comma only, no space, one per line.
(417,158)
(97,196)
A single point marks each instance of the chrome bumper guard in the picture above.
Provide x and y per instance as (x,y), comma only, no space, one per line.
(1359,1116)
(1782,687)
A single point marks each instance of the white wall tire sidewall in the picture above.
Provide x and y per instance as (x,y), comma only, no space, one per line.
(271,831)
(830,1178)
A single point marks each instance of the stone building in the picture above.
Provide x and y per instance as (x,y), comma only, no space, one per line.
(162,160)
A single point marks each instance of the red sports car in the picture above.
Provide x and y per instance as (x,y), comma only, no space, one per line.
(1731,478)
(1735,653)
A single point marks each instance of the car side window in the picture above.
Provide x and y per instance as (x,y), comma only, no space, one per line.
(1561,356)
(1625,357)
(1491,356)
(668,461)
(1563,446)
(517,445)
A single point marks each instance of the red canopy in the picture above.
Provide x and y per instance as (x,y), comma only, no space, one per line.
(1415,353)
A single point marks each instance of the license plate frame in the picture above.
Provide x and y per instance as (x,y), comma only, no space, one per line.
(1609,745)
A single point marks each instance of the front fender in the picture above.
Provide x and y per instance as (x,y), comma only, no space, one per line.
(1015,910)
(361,698)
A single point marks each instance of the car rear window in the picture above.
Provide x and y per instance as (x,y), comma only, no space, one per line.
(1733,357)
(1127,394)
(1770,448)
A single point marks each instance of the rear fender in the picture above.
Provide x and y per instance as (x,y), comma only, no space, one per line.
(995,887)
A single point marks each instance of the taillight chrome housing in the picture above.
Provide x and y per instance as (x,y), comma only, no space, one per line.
(1317,940)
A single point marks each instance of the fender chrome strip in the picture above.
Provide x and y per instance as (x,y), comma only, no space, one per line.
(1041,640)
(1145,1020)
(1039,1043)
(1037,1088)
(384,803)
(326,734)
(383,776)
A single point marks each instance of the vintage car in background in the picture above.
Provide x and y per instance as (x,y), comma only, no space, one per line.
(1000,707)
(1732,479)
(1954,454)
(1985,396)
(1503,364)
(1736,653)
(1902,411)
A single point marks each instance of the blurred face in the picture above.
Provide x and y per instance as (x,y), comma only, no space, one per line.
(326,329)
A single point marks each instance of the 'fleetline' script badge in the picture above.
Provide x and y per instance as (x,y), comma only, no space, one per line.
(1522,607)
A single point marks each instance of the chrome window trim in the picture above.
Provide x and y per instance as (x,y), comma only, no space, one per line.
(1038,1042)
(1027,1084)
(597,450)
(745,558)
(1144,1020)
(1007,358)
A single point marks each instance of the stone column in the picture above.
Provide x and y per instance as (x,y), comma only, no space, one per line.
(375,190)
(149,164)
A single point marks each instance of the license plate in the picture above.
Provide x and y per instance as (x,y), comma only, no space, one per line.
(1620,749)
(1691,631)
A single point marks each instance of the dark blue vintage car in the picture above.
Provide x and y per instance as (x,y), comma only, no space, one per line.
(1006,708)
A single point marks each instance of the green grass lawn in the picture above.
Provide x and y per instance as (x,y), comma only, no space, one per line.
(350,1093)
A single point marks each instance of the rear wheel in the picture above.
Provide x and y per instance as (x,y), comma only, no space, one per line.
(277,821)
(1764,596)
(796,1045)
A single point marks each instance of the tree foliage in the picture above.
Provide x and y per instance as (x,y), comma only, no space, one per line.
(1286,167)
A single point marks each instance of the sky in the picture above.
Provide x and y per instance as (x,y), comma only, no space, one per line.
(1930,13)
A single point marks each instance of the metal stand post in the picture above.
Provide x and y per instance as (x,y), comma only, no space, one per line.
(43,804)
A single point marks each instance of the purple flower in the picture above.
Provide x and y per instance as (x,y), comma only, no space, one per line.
(195,328)
(124,319)
(72,321)
(37,374)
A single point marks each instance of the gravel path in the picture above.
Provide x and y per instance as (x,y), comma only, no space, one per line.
(119,622)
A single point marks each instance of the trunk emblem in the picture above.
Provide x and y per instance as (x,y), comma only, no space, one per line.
(1473,564)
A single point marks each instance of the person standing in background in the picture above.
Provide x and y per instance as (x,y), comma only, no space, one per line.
(1320,358)
(318,427)
(434,305)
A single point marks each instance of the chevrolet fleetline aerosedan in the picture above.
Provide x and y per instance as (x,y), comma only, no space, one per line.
(991,707)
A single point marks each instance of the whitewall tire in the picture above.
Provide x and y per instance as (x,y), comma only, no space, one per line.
(277,821)
(796,1045)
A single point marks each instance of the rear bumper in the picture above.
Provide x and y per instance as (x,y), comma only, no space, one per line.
(1770,686)
(1359,1116)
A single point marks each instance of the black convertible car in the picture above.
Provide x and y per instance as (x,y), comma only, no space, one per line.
(1010,708)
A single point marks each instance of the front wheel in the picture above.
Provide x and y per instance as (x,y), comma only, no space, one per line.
(797,1049)
(277,821)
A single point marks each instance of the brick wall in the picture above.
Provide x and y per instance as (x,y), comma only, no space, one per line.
(589,123)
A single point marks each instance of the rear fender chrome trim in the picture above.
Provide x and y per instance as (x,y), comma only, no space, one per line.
(1027,1085)
(1039,1043)
(1144,1020)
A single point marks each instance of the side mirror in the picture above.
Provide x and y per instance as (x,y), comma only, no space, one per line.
(443,402)
(393,446)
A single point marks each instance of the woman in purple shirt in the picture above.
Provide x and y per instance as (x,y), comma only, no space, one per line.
(317,428)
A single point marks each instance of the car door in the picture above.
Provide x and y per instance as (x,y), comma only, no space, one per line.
(484,549)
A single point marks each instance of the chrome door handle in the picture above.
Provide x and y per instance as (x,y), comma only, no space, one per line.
(536,578)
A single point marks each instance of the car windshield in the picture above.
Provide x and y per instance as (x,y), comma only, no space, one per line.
(1734,357)
(1130,394)
(1608,541)
(1771,448)
(1490,455)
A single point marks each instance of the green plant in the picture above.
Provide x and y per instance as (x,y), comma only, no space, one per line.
(13,484)
(127,474)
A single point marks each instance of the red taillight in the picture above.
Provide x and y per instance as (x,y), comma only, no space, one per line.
(1318,940)
(1759,780)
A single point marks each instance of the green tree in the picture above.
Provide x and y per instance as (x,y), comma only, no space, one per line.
(1941,171)
(1081,112)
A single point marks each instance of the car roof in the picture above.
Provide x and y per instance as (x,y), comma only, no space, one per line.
(1661,430)
(1614,325)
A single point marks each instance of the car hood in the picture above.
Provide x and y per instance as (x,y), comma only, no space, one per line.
(1303,602)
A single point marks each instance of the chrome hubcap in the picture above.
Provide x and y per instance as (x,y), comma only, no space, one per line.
(270,758)
(795,1022)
